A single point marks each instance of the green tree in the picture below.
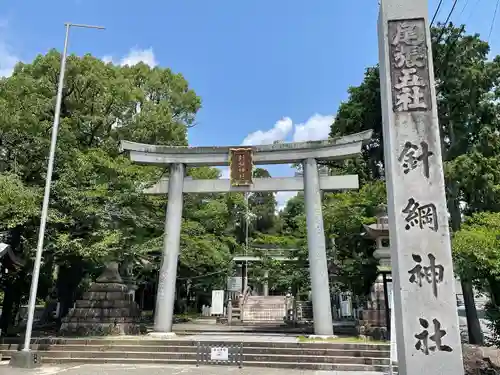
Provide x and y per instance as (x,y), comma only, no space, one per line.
(18,202)
(97,208)
(476,253)
(467,88)
(293,216)
(263,206)
(352,265)
(350,261)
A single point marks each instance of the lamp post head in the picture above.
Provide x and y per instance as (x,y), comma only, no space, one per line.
(69,24)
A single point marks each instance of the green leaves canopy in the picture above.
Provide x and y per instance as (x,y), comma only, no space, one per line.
(476,247)
(97,209)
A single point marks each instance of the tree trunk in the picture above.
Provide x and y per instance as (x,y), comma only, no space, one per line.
(473,325)
(68,280)
(494,290)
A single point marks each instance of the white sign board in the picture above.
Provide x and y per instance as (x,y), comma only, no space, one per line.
(217,302)
(345,305)
(219,354)
(234,284)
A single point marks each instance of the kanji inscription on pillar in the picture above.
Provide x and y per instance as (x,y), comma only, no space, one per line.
(241,166)
(426,319)
(409,69)
(420,215)
(412,156)
(432,273)
(428,342)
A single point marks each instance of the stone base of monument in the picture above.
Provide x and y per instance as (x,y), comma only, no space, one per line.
(100,329)
(25,359)
(105,309)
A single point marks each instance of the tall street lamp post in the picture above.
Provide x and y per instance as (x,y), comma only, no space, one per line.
(25,359)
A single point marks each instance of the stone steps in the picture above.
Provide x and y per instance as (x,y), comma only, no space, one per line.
(8,349)
(43,344)
(276,354)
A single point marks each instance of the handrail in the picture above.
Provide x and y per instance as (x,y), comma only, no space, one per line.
(246,293)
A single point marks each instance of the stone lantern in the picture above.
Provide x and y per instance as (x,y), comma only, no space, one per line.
(377,313)
(380,233)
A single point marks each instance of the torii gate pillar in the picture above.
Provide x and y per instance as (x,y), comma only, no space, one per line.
(318,266)
(165,296)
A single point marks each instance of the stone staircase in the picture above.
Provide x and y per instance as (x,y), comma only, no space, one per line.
(273,354)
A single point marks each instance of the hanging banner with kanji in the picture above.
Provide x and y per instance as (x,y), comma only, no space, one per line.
(241,166)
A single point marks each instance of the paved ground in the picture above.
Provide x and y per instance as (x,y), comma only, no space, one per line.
(166,370)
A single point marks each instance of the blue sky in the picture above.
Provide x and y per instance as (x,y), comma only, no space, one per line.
(265,69)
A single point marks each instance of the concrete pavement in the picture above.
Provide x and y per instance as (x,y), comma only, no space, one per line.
(166,370)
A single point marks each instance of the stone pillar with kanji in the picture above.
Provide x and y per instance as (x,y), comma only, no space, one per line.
(427,331)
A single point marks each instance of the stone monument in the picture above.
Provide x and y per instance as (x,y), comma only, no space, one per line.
(427,331)
(106,309)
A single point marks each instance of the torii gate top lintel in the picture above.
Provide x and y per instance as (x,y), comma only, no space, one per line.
(279,153)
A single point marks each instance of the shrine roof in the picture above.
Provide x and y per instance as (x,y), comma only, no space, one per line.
(334,148)
(376,230)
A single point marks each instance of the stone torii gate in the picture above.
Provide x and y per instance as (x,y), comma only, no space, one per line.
(307,153)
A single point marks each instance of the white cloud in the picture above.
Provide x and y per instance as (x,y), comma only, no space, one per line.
(282,197)
(316,128)
(278,133)
(8,59)
(134,57)
(224,172)
(107,59)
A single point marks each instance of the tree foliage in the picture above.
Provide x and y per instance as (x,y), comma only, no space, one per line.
(476,247)
(349,253)
(476,254)
(97,209)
